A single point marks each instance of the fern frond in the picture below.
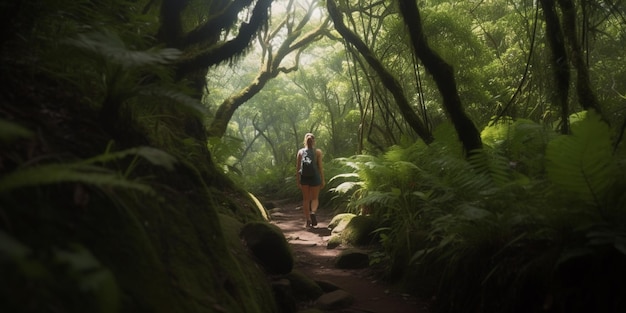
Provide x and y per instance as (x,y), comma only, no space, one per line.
(85,172)
(582,163)
(154,156)
(377,198)
(11,131)
(344,175)
(492,164)
(111,47)
(345,187)
(173,94)
(50,174)
(356,162)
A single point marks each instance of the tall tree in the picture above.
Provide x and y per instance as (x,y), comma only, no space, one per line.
(201,43)
(586,96)
(443,75)
(559,59)
(389,81)
(295,41)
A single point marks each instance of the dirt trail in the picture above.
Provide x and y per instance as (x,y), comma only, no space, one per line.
(316,261)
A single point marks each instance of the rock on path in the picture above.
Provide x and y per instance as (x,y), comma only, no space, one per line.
(358,289)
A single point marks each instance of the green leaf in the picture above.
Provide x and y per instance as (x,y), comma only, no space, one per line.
(582,163)
(20,254)
(91,276)
(12,248)
(154,156)
(573,253)
(10,131)
(110,46)
(345,175)
(345,187)
(63,173)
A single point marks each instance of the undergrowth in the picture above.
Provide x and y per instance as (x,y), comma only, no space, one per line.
(534,222)
(109,200)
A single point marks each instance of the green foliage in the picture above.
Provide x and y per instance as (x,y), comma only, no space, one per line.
(480,235)
(86,172)
(521,141)
(226,152)
(10,132)
(116,231)
(107,46)
(126,73)
(74,279)
(582,164)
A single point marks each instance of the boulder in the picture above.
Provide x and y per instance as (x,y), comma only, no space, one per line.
(352,259)
(334,241)
(269,247)
(283,295)
(359,231)
(339,222)
(327,286)
(304,288)
(335,300)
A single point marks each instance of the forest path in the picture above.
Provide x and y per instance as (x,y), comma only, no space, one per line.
(313,259)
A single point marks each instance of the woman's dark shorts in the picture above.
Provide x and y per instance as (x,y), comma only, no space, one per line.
(314,180)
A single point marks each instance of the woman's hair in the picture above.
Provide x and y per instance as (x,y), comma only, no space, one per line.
(308,140)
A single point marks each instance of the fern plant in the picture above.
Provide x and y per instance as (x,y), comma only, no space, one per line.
(486,234)
(127,73)
(512,250)
(89,171)
(582,164)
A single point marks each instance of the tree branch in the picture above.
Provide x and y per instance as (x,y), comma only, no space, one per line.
(388,80)
(443,75)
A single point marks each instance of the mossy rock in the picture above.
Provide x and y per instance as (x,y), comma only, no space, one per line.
(334,241)
(327,286)
(284,297)
(340,221)
(269,246)
(304,288)
(335,300)
(359,231)
(352,259)
(312,310)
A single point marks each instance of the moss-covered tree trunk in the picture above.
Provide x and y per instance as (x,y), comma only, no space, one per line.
(202,42)
(586,96)
(559,60)
(443,75)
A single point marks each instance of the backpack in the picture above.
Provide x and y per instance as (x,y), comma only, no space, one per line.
(308,166)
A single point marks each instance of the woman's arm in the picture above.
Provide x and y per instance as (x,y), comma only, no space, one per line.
(298,161)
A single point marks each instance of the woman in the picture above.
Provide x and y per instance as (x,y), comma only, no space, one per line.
(310,178)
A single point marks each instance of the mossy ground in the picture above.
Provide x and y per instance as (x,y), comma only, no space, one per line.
(167,250)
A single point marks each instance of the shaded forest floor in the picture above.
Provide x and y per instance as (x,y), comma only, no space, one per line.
(313,259)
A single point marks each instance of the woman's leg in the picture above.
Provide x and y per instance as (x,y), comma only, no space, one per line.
(306,204)
(314,196)
(314,192)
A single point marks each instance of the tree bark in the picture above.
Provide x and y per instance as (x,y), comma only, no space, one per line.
(171,28)
(204,40)
(586,96)
(559,60)
(443,75)
(388,80)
